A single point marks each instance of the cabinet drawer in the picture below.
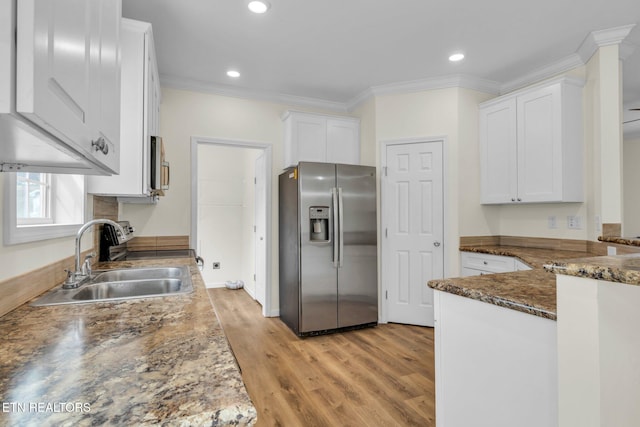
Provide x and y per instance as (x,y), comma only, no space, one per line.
(487,263)
(466,272)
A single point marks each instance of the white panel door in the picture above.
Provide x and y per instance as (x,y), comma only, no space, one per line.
(413,251)
(260,230)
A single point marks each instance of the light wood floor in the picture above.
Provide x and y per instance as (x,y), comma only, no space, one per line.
(382,376)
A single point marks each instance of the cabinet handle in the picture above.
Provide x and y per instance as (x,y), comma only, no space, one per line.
(436,244)
(100,145)
(513,200)
(485,262)
(519,199)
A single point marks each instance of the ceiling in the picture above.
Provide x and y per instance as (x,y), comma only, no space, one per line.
(337,51)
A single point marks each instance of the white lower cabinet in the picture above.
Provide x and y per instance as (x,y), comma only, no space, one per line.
(494,366)
(477,264)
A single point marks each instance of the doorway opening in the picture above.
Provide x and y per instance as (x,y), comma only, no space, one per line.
(231,214)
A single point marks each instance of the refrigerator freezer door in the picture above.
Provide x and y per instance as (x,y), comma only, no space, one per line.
(358,274)
(289,251)
(318,278)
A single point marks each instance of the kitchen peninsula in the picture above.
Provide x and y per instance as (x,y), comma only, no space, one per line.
(495,343)
(146,361)
(598,342)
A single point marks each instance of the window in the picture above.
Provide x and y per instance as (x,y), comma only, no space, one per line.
(41,206)
(33,198)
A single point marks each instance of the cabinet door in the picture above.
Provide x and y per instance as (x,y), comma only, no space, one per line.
(105,66)
(133,180)
(498,155)
(540,145)
(310,136)
(68,75)
(343,141)
(53,68)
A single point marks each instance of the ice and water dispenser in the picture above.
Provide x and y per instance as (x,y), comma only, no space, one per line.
(319,227)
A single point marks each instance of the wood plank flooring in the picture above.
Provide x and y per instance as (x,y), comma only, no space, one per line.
(382,376)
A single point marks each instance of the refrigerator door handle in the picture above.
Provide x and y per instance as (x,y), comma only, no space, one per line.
(340,228)
(334,194)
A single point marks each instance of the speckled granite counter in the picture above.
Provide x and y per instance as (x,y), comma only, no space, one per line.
(628,241)
(151,361)
(619,268)
(532,291)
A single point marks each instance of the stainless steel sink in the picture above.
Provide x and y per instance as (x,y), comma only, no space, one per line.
(123,284)
(128,274)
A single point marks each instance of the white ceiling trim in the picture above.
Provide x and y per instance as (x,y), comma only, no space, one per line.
(235,92)
(559,67)
(589,46)
(445,82)
(600,38)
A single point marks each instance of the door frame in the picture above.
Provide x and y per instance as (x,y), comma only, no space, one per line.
(384,206)
(267,149)
(256,219)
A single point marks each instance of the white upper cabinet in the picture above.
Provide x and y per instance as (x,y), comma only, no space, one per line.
(140,107)
(320,138)
(60,95)
(531,145)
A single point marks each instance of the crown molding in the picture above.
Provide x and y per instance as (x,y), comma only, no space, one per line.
(175,82)
(589,46)
(568,63)
(445,82)
(600,38)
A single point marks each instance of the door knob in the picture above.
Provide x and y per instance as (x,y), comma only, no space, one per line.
(436,244)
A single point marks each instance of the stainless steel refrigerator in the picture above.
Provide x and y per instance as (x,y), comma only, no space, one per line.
(328,247)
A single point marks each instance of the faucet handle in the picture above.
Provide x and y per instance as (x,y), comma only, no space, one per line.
(71,276)
(86,265)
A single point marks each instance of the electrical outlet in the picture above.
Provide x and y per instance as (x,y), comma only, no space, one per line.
(552,221)
(574,222)
(216,265)
(611,250)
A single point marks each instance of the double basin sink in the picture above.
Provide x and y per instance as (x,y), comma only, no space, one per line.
(123,284)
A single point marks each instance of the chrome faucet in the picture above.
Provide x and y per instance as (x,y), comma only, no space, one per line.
(83,270)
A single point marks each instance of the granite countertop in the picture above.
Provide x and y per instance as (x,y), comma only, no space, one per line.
(150,361)
(628,241)
(532,291)
(618,268)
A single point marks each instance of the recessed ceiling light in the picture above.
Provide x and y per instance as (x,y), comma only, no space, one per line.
(259,6)
(233,73)
(456,57)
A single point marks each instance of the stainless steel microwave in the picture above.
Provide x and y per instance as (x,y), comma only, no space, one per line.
(159,168)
